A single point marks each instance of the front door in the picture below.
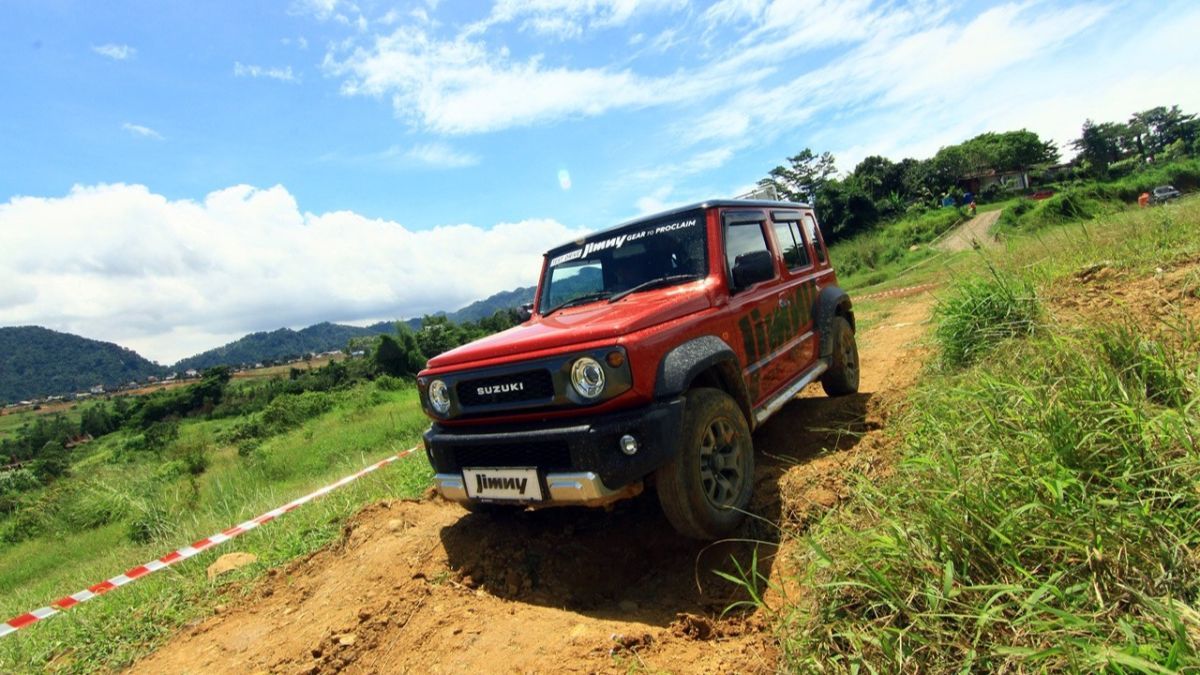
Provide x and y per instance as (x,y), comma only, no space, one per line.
(765,365)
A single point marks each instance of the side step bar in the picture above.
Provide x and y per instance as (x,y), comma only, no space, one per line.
(772,406)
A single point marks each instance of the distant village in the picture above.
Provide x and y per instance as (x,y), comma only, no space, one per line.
(245,369)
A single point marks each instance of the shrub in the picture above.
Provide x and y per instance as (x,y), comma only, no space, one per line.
(285,412)
(26,523)
(982,311)
(92,507)
(151,522)
(389,383)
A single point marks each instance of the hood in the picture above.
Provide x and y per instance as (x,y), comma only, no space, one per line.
(586,323)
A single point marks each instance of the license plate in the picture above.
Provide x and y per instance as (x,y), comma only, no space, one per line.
(511,484)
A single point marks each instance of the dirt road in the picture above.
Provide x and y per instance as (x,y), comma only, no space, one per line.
(420,586)
(974,230)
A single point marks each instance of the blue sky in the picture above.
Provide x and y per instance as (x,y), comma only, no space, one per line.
(178,174)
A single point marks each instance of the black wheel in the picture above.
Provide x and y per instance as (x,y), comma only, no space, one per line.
(706,487)
(842,376)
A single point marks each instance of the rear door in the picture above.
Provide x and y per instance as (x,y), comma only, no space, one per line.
(764,365)
(798,290)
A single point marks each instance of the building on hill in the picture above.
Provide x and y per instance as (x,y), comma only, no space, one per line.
(1004,180)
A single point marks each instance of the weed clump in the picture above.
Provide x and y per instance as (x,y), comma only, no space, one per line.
(981,312)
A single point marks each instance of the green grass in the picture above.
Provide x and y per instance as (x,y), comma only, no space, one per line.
(980,312)
(881,254)
(1044,514)
(365,425)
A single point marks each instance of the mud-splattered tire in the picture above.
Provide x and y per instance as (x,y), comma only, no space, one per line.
(842,376)
(706,488)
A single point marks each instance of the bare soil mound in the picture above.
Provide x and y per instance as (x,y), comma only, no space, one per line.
(423,586)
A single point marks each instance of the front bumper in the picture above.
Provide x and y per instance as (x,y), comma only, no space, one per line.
(578,462)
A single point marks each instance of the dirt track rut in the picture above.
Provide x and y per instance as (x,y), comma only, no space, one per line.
(975,231)
(420,586)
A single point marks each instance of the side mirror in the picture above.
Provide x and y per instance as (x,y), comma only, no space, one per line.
(751,268)
(525,312)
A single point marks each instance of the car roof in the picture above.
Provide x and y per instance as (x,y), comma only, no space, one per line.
(718,203)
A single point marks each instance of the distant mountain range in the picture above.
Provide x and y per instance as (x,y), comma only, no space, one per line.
(37,362)
(323,337)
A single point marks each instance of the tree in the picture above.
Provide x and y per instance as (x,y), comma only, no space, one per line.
(805,175)
(52,462)
(878,176)
(1099,145)
(1160,127)
(438,334)
(399,356)
(845,210)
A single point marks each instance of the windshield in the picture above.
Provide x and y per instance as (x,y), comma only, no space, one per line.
(671,249)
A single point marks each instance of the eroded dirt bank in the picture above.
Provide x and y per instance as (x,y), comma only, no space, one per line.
(423,587)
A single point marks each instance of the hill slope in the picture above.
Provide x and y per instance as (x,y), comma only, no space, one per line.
(482,309)
(281,343)
(36,361)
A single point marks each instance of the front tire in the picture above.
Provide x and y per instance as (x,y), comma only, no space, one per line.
(842,376)
(705,489)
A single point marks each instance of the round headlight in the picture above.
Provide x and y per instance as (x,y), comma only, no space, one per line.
(439,397)
(587,376)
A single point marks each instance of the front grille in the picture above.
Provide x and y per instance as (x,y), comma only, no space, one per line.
(545,456)
(534,385)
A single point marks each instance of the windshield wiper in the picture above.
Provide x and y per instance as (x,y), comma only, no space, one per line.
(578,300)
(654,283)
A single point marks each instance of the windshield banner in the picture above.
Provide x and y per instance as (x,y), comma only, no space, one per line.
(621,239)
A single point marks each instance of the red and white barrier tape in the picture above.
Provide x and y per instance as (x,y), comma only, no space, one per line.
(16,623)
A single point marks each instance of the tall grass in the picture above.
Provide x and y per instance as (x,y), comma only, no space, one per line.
(979,312)
(1045,518)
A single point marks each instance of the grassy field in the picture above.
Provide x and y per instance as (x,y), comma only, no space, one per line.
(1044,514)
(113,514)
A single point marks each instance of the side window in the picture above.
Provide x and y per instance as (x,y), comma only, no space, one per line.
(743,238)
(791,243)
(810,228)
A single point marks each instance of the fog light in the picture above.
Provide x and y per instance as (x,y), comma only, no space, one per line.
(629,445)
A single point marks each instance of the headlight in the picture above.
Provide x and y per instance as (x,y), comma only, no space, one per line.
(587,376)
(439,397)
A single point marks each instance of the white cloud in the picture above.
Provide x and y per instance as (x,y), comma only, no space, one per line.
(460,87)
(142,131)
(116,52)
(173,277)
(344,12)
(656,201)
(275,73)
(429,155)
(698,163)
(565,19)
(436,155)
(1013,66)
